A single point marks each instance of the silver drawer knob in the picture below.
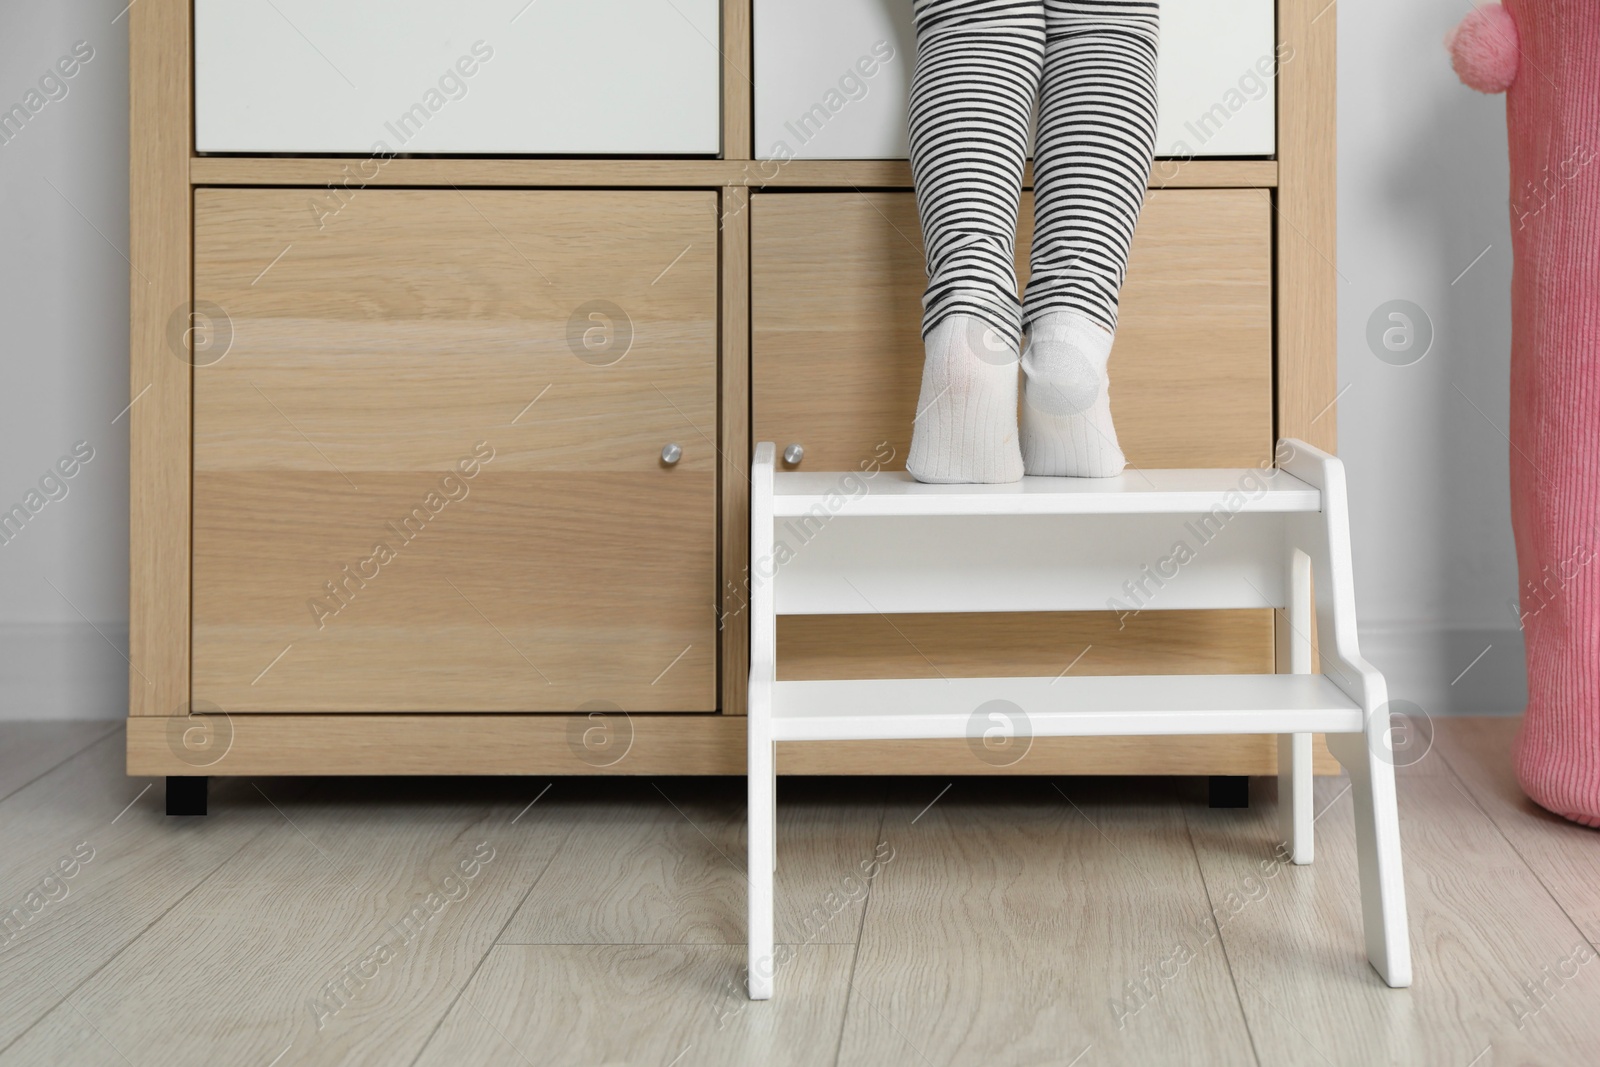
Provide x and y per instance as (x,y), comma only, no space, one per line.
(671,454)
(794,454)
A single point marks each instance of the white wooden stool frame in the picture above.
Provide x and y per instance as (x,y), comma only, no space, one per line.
(854,543)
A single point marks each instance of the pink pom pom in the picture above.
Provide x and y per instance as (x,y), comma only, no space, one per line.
(1483,49)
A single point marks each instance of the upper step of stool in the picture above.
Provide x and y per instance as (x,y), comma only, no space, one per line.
(1134,492)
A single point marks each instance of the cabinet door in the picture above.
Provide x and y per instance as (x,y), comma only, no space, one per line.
(836,306)
(492,76)
(428,434)
(833,78)
(836,289)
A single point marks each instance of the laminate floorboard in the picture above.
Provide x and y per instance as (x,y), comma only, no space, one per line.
(1563,855)
(1081,922)
(88,861)
(1481,926)
(663,862)
(278,956)
(642,1004)
(1015,919)
(33,749)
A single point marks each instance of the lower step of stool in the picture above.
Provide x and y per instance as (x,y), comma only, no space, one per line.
(1098,706)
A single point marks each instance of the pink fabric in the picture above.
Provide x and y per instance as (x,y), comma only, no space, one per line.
(1553,123)
(1483,49)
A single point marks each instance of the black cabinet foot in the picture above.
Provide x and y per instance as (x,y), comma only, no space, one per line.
(186,795)
(1227,791)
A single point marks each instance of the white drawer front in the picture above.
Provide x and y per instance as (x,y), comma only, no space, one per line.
(480,76)
(815,97)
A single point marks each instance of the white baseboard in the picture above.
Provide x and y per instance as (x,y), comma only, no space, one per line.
(1450,672)
(57,671)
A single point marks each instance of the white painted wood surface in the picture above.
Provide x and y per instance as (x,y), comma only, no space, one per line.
(1295,780)
(1147,540)
(1095,706)
(546,77)
(814,97)
(1176,491)
(1369,755)
(761,766)
(1126,563)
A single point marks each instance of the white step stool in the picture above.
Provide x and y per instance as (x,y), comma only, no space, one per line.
(850,543)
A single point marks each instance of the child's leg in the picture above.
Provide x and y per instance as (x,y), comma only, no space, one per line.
(1097,129)
(976,76)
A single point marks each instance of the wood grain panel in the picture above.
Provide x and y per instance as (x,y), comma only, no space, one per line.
(1028,644)
(419,744)
(422,744)
(360,172)
(160,350)
(428,474)
(1307,228)
(531,593)
(859,174)
(738,90)
(412,323)
(837,282)
(734,436)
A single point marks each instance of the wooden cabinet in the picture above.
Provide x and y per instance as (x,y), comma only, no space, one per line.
(397,506)
(836,311)
(428,468)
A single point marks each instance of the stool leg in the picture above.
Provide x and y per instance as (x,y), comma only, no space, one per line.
(763,857)
(1367,756)
(1294,750)
(1294,796)
(760,767)
(1383,889)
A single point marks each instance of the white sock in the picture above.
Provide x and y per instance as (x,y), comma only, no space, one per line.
(966,425)
(1066,399)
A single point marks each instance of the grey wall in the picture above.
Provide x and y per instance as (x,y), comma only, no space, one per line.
(1422,191)
(64,375)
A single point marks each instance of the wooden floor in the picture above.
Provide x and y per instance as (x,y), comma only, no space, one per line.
(519,921)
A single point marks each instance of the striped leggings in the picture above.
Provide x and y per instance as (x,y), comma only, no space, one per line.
(980,65)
